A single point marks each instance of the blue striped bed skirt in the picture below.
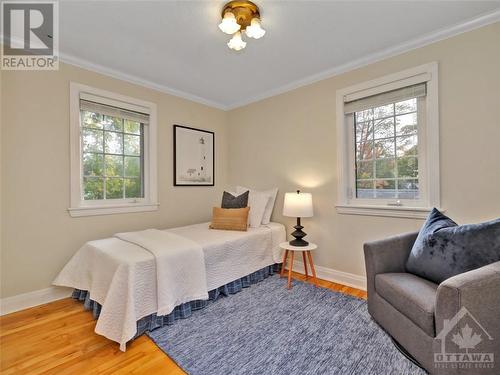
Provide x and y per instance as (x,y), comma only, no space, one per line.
(153,321)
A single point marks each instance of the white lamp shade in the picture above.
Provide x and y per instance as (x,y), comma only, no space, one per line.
(255,30)
(236,42)
(229,24)
(298,205)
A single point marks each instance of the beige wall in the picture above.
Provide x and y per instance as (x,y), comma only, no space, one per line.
(1,180)
(289,141)
(38,235)
(286,141)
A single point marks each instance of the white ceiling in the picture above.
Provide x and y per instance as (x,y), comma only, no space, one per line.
(175,46)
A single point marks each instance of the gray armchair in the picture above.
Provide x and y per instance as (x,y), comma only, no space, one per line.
(423,317)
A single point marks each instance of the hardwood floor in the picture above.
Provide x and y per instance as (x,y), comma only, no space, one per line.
(59,338)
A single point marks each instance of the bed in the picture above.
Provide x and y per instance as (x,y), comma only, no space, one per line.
(121,277)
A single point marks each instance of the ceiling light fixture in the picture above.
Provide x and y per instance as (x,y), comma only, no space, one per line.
(255,30)
(229,24)
(240,17)
(236,42)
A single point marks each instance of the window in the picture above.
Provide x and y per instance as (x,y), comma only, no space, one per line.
(113,153)
(387,150)
(388,145)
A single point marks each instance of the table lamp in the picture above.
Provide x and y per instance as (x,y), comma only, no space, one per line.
(298,205)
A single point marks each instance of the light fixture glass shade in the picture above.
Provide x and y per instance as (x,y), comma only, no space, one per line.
(236,42)
(298,205)
(229,24)
(255,30)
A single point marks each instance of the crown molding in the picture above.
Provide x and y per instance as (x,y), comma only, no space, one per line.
(468,25)
(114,73)
(85,64)
(441,34)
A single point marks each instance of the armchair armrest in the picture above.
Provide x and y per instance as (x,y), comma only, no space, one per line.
(478,291)
(387,255)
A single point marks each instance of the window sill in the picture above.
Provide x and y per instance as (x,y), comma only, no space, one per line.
(110,210)
(402,212)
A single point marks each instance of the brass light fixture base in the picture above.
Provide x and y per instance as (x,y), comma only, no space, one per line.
(243,11)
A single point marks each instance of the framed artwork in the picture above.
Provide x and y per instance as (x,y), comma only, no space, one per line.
(194,157)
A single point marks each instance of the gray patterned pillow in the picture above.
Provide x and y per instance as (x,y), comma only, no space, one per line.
(231,201)
(444,249)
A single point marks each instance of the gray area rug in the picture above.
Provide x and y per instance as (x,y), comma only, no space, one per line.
(267,329)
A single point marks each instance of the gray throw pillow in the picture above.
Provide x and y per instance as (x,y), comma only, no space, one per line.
(444,249)
(231,201)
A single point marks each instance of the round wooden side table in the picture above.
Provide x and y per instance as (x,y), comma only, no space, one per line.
(305,250)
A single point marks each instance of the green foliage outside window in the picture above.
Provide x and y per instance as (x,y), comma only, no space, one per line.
(111,157)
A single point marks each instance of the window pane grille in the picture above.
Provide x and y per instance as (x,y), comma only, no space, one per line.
(112,156)
(387,151)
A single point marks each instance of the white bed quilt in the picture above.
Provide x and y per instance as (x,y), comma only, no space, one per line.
(177,258)
(121,276)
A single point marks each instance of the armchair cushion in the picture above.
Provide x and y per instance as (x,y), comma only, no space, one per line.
(411,295)
(444,249)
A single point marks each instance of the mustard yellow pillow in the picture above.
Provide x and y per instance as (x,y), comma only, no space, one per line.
(230,218)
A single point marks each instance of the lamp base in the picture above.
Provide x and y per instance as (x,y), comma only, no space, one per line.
(299,235)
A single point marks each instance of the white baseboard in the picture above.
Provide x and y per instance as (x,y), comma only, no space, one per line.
(329,274)
(38,297)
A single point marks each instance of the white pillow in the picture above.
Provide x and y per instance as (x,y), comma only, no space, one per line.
(271,194)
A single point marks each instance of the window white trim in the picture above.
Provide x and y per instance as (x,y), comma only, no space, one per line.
(374,210)
(428,138)
(379,87)
(80,207)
